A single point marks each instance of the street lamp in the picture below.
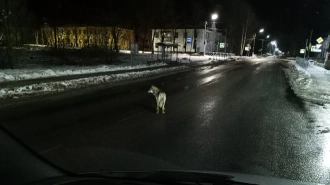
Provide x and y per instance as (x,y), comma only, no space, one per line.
(214,28)
(213,17)
(254,42)
(262,43)
(204,36)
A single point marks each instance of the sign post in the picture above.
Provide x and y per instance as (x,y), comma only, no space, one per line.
(222,45)
(316,49)
(319,40)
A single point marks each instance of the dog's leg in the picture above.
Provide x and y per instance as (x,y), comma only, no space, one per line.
(157,108)
(163,108)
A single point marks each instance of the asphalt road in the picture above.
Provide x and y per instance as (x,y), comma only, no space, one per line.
(239,117)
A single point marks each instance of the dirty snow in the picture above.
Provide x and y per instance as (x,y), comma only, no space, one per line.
(127,62)
(45,88)
(41,72)
(312,83)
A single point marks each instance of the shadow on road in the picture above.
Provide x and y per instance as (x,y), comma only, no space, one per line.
(292,97)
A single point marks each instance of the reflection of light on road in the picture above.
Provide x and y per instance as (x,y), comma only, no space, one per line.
(207,69)
(322,119)
(326,152)
(205,111)
(208,79)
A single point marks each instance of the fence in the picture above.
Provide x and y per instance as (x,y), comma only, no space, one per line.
(220,55)
(302,62)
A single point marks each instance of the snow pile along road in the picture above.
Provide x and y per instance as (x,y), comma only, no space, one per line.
(29,73)
(311,84)
(46,88)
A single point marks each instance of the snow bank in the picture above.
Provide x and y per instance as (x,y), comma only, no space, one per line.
(45,88)
(30,73)
(311,84)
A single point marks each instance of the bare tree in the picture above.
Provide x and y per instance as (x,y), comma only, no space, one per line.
(241,24)
(116,33)
(12,19)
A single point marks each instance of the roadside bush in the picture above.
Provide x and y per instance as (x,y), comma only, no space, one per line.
(95,55)
(92,55)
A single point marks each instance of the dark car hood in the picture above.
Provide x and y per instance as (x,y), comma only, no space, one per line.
(103,158)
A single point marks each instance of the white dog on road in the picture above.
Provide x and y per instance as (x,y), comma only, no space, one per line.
(160,98)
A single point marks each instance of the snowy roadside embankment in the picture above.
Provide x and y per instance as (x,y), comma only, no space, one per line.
(34,73)
(46,88)
(312,83)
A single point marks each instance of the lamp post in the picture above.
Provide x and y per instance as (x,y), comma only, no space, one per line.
(262,43)
(204,37)
(213,17)
(254,42)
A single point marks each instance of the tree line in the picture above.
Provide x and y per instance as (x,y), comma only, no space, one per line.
(237,19)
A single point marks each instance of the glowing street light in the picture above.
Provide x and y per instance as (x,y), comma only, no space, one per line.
(254,42)
(214,16)
(268,36)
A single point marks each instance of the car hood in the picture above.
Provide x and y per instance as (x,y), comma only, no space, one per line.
(107,160)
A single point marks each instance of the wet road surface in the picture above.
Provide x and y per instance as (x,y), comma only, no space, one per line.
(239,117)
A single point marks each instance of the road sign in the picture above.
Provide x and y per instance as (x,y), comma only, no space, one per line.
(318,46)
(188,40)
(302,51)
(248,47)
(222,45)
(134,47)
(319,40)
(315,49)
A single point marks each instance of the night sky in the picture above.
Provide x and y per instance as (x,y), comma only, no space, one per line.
(282,19)
(286,19)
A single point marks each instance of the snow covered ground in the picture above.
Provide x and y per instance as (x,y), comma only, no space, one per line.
(38,65)
(46,88)
(126,62)
(44,72)
(311,84)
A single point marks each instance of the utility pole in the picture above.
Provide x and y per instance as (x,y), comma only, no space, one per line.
(326,49)
(204,37)
(254,43)
(225,40)
(306,49)
(310,42)
(262,44)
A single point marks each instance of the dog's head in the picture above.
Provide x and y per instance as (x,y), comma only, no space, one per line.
(152,89)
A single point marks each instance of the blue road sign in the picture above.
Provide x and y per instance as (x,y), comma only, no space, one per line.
(188,40)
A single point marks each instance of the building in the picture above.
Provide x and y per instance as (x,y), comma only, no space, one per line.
(81,36)
(190,40)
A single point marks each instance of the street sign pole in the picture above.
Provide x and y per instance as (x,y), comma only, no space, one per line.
(306,49)
(310,42)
